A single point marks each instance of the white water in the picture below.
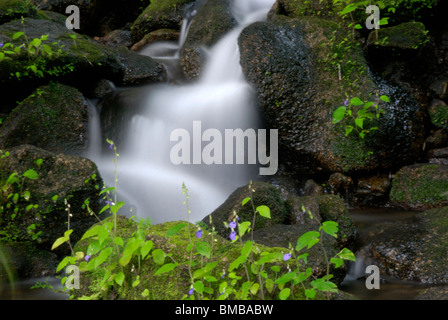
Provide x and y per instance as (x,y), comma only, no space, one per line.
(221,99)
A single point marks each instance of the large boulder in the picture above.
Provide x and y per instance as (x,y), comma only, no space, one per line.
(43,118)
(301,74)
(66,55)
(160,14)
(59,177)
(420,187)
(414,250)
(212,21)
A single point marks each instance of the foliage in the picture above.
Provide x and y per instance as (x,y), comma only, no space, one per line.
(256,273)
(359,121)
(15,201)
(38,55)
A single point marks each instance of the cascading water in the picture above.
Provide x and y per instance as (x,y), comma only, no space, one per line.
(147,178)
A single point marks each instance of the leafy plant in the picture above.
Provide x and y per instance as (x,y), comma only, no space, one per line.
(359,115)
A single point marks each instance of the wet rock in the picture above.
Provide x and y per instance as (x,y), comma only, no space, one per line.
(311,188)
(438,113)
(263,194)
(26,261)
(102,88)
(438,156)
(438,139)
(410,35)
(212,21)
(73,178)
(116,38)
(156,36)
(81,63)
(160,14)
(15,9)
(415,250)
(297,92)
(433,293)
(340,183)
(420,187)
(373,191)
(43,118)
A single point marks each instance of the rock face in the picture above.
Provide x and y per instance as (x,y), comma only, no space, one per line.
(43,118)
(68,177)
(212,21)
(416,250)
(74,57)
(299,87)
(160,14)
(420,187)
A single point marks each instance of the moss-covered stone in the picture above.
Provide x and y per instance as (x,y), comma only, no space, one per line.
(409,35)
(438,113)
(160,14)
(15,9)
(175,284)
(420,187)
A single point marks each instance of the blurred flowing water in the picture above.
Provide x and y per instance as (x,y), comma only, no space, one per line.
(148,181)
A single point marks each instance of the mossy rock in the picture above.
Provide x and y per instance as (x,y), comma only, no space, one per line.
(15,9)
(59,177)
(405,36)
(420,187)
(43,118)
(438,113)
(298,8)
(293,65)
(262,194)
(175,284)
(160,14)
(415,249)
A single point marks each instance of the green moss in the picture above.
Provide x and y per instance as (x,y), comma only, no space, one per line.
(15,9)
(420,185)
(410,35)
(439,115)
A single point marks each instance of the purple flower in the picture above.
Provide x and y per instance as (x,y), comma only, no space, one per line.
(1,44)
(346,103)
(111,146)
(232,236)
(199,234)
(87,257)
(190,292)
(232,225)
(286,257)
(109,203)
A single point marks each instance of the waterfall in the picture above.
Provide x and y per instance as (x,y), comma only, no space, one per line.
(148,181)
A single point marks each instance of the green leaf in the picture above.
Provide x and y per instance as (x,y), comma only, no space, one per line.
(310,293)
(36,42)
(128,252)
(383,21)
(330,228)
(199,286)
(269,284)
(356,101)
(119,279)
(246,200)
(339,114)
(158,256)
(359,122)
(236,263)
(102,257)
(308,239)
(63,263)
(31,174)
(146,248)
(166,268)
(254,288)
(284,294)
(61,240)
(17,35)
(287,277)
(270,257)
(346,254)
(92,232)
(204,249)
(243,228)
(264,211)
(247,249)
(385,98)
(349,8)
(119,241)
(323,285)
(337,262)
(203,271)
(174,230)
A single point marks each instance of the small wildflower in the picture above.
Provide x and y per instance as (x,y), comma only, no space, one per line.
(223,274)
(346,103)
(109,203)
(199,234)
(111,146)
(87,257)
(286,257)
(1,44)
(232,225)
(190,292)
(232,236)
